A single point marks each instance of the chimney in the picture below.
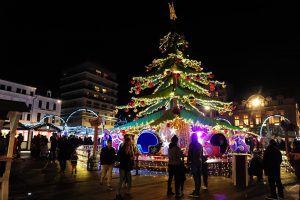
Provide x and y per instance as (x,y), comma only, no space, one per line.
(49,93)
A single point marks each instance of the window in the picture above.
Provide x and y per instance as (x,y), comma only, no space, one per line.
(18,90)
(257,119)
(47,105)
(46,120)
(28,117)
(236,121)
(38,117)
(88,103)
(96,95)
(2,87)
(97,88)
(96,105)
(40,104)
(53,120)
(98,72)
(104,90)
(31,93)
(8,88)
(29,106)
(21,117)
(54,106)
(23,91)
(271,120)
(246,120)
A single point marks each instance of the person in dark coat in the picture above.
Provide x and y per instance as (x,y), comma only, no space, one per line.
(175,164)
(63,153)
(205,172)
(256,167)
(295,160)
(195,154)
(53,141)
(126,159)
(271,161)
(107,160)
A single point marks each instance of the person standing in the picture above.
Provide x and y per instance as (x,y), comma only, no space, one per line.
(20,139)
(107,160)
(74,159)
(174,154)
(126,159)
(195,153)
(204,170)
(271,161)
(53,141)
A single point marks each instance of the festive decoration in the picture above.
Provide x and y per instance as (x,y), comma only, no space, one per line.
(180,89)
(148,142)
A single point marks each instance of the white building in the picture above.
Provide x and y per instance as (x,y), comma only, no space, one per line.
(40,106)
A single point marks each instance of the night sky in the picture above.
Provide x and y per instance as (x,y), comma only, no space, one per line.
(253,45)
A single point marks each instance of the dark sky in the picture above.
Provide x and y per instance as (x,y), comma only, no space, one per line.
(250,44)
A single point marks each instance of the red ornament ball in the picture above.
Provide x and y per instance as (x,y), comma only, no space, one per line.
(168,72)
(187,78)
(142,103)
(131,103)
(136,118)
(151,84)
(168,125)
(221,113)
(133,82)
(197,77)
(138,84)
(126,109)
(211,76)
(177,76)
(212,87)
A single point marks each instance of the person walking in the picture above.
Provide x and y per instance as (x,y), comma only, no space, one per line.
(271,161)
(126,159)
(107,160)
(174,154)
(195,153)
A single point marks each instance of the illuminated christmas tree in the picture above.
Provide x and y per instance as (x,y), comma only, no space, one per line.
(181,89)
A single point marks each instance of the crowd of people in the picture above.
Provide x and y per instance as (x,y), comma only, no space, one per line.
(63,148)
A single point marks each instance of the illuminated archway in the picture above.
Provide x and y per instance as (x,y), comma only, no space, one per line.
(264,122)
(48,116)
(81,110)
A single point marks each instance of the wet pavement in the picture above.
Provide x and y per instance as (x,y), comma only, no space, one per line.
(33,179)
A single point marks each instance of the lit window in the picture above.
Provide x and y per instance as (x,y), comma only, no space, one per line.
(97,88)
(98,72)
(236,120)
(96,95)
(246,120)
(271,120)
(104,90)
(257,119)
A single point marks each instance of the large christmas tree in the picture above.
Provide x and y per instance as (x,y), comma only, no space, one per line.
(181,89)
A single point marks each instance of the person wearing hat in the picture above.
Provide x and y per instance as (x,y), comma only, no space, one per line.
(174,154)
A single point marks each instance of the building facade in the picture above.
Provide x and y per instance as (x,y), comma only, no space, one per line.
(262,115)
(88,86)
(39,106)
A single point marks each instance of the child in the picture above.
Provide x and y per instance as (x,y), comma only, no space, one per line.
(74,159)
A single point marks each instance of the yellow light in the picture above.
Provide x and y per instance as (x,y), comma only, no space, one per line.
(206,107)
(256,102)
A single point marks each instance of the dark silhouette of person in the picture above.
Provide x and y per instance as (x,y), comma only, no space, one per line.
(256,167)
(272,160)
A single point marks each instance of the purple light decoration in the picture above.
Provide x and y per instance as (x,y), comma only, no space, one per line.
(202,134)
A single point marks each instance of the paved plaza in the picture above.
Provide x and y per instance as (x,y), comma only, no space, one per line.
(33,179)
